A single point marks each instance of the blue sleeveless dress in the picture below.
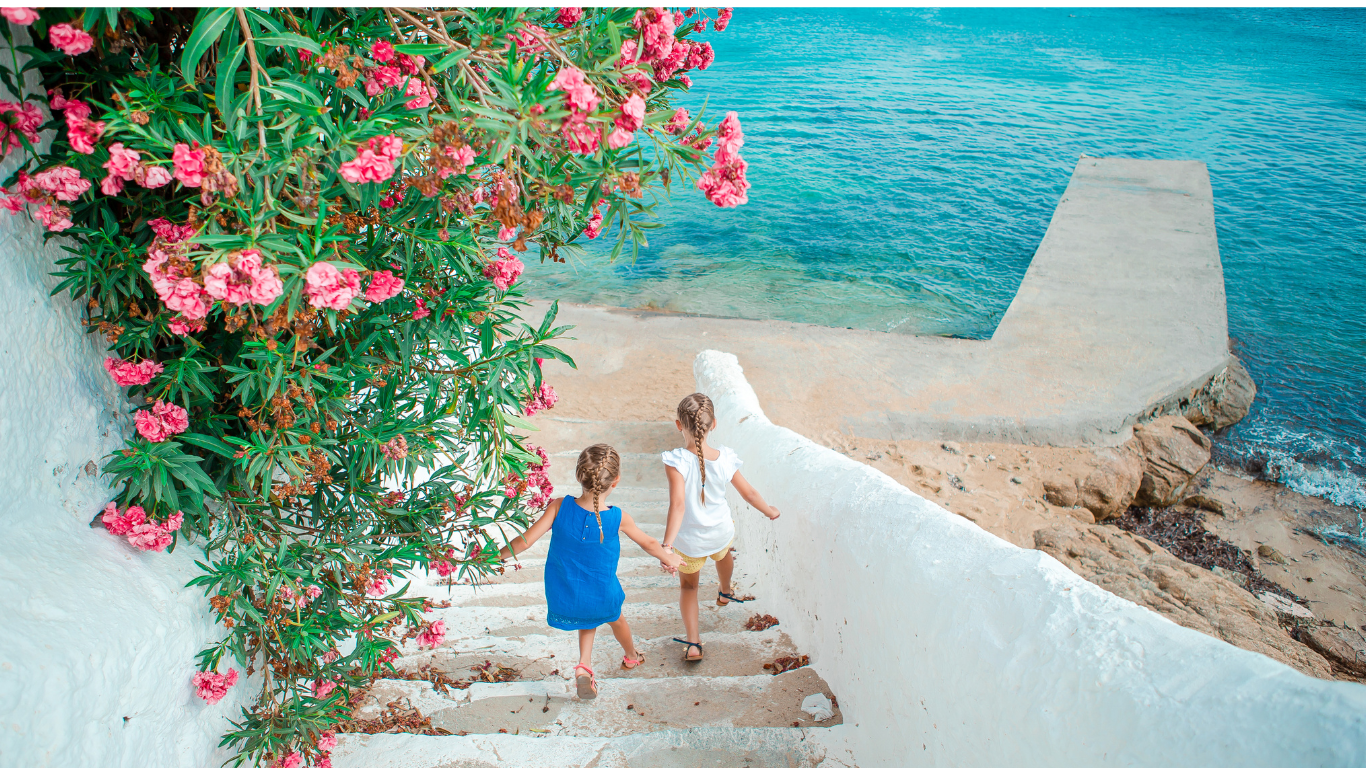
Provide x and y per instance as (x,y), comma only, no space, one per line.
(581,586)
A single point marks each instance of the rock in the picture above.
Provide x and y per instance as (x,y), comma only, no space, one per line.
(1174,451)
(1268,552)
(1343,646)
(1225,400)
(1200,501)
(1139,570)
(953,448)
(1107,490)
(1082,514)
(1234,576)
(1017,480)
(818,707)
(1281,605)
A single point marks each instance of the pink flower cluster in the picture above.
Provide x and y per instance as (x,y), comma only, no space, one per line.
(290,760)
(724,183)
(244,281)
(21,16)
(383,286)
(330,288)
(432,635)
(421,311)
(147,535)
(659,49)
(379,583)
(463,157)
(69,39)
(82,133)
(173,278)
(45,189)
(123,166)
(162,420)
(581,99)
(678,123)
(528,39)
(594,226)
(445,565)
(212,687)
(630,120)
(403,68)
(723,19)
(505,271)
(568,17)
(395,449)
(374,161)
(128,374)
(19,119)
(322,688)
(538,478)
(543,400)
(302,597)
(189,164)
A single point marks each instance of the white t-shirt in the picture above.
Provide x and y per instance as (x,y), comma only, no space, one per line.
(707,528)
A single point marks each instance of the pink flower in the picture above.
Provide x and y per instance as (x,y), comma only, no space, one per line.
(321,688)
(62,182)
(678,123)
(568,17)
(382,51)
(700,26)
(463,157)
(383,286)
(379,584)
(395,449)
(729,137)
(146,535)
(111,185)
(381,78)
(289,760)
(632,113)
(150,537)
(189,165)
(122,524)
(26,118)
(684,79)
(70,40)
(507,234)
(581,137)
(21,16)
(723,19)
(619,137)
(212,687)
(331,656)
(432,635)
(578,92)
(327,742)
(313,591)
(128,374)
(55,218)
(122,166)
(528,39)
(544,399)
(14,203)
(505,271)
(630,50)
(411,65)
(594,226)
(154,176)
(678,19)
(173,233)
(424,93)
(421,310)
(374,161)
(83,134)
(181,326)
(327,287)
(656,27)
(161,421)
(245,281)
(638,80)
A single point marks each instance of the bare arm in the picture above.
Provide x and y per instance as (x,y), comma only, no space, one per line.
(667,558)
(752,496)
(536,531)
(676,505)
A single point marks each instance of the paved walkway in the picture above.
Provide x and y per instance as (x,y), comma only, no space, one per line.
(1122,310)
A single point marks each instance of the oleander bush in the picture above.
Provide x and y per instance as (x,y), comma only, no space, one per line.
(300,232)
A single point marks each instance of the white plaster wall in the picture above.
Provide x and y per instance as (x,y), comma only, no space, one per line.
(97,640)
(950,647)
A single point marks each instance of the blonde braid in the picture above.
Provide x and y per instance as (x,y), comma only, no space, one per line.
(599,465)
(691,412)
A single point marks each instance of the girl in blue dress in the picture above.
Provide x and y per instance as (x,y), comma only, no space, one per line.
(581,587)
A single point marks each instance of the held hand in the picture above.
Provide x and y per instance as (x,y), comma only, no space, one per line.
(775,514)
(670,561)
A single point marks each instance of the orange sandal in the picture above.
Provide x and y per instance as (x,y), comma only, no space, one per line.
(633,663)
(587,684)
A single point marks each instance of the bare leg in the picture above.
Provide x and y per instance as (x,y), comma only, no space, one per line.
(622,632)
(586,646)
(724,568)
(687,603)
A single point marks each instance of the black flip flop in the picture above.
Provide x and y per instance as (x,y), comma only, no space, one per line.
(730,599)
(691,644)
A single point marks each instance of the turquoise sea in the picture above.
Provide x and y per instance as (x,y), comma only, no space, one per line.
(906,162)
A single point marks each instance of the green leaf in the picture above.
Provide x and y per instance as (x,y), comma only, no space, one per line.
(419,49)
(290,40)
(207,28)
(451,60)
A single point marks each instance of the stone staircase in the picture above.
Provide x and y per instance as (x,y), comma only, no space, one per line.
(724,711)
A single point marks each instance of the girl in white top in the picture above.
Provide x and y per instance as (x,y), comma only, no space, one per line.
(699,525)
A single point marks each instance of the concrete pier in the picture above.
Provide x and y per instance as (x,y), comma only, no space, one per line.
(1120,314)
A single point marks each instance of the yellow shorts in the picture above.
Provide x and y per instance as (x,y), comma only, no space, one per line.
(694,564)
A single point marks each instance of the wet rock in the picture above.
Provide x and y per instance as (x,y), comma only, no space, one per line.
(1174,451)
(1340,645)
(1225,400)
(1139,570)
(1107,490)
(1200,501)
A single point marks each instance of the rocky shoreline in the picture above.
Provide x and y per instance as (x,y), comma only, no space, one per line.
(1154,521)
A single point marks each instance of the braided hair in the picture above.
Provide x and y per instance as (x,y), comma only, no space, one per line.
(599,466)
(698,417)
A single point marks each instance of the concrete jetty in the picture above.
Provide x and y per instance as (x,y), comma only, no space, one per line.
(1120,315)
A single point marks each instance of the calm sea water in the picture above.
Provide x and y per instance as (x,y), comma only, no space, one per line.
(905,165)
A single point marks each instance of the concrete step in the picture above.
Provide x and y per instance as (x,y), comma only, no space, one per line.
(638,470)
(688,748)
(542,656)
(648,620)
(624,705)
(570,436)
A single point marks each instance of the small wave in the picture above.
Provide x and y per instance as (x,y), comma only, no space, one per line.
(1342,487)
(1336,535)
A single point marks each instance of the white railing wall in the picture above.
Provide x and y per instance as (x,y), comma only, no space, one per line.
(948,646)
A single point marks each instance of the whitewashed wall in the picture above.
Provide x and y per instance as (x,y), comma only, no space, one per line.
(950,647)
(97,640)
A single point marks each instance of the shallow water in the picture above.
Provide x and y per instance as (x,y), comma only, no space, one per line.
(906,162)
